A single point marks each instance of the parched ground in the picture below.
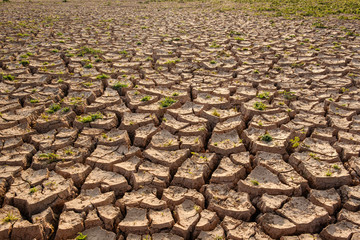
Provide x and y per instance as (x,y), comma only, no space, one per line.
(197,120)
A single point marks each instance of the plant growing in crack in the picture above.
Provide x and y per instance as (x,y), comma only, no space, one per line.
(10,218)
(8,77)
(313,156)
(260,106)
(90,118)
(255,182)
(33,190)
(197,208)
(167,102)
(102,76)
(295,142)
(336,167)
(65,110)
(145,99)
(81,236)
(69,152)
(24,62)
(264,95)
(53,108)
(89,65)
(49,157)
(119,85)
(266,137)
(288,95)
(215,113)
(168,143)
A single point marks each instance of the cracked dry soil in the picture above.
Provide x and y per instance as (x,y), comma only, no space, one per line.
(127,120)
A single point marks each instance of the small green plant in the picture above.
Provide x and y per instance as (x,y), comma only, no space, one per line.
(319,25)
(313,156)
(9,218)
(8,77)
(298,65)
(256,71)
(69,152)
(295,142)
(90,118)
(288,95)
(264,95)
(255,182)
(89,65)
(87,50)
(49,157)
(214,45)
(119,85)
(197,208)
(328,173)
(45,117)
(33,190)
(259,106)
(351,33)
(102,76)
(34,101)
(202,129)
(88,84)
(171,62)
(343,90)
(24,62)
(81,236)
(212,62)
(167,102)
(146,98)
(215,113)
(53,108)
(266,137)
(239,39)
(65,110)
(336,167)
(175,94)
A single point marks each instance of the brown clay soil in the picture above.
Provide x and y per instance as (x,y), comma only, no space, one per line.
(137,120)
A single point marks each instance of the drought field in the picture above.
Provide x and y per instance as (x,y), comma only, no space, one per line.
(180,119)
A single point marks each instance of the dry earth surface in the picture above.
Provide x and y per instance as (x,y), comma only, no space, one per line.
(141,120)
